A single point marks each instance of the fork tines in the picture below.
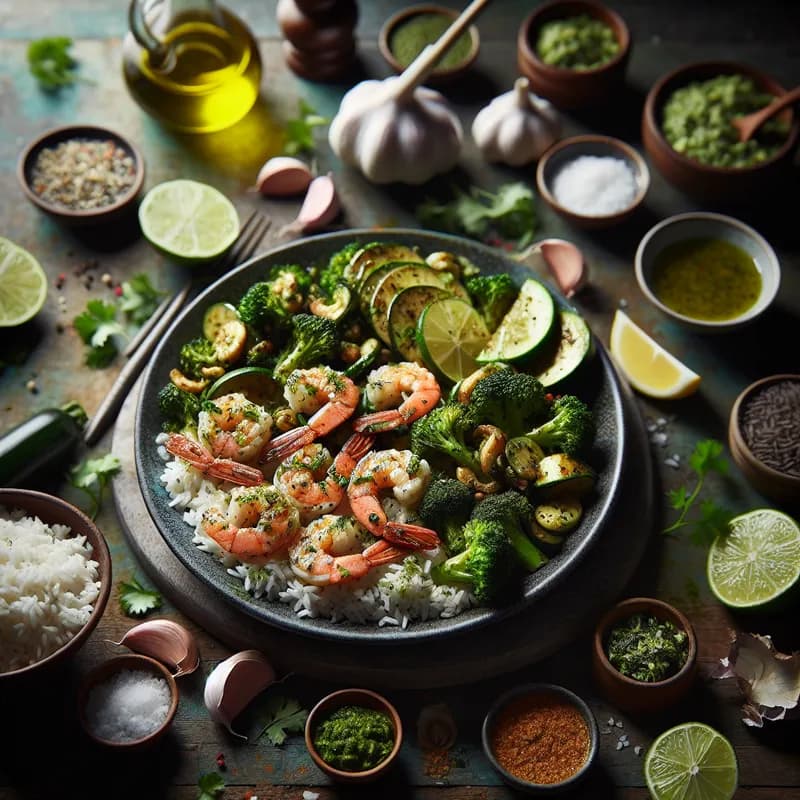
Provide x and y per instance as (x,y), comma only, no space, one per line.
(250,235)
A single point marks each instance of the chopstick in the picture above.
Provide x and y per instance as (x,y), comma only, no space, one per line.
(164,308)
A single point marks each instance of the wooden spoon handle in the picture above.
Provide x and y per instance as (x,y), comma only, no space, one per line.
(756,120)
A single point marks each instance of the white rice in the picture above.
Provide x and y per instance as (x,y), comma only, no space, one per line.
(48,587)
(395,595)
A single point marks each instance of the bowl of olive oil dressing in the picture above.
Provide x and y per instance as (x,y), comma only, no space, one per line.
(708,271)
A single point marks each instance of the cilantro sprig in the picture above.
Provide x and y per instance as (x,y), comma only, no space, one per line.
(210,786)
(299,131)
(92,476)
(50,62)
(284,715)
(712,519)
(135,600)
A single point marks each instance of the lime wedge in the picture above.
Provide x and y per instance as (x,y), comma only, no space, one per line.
(188,220)
(757,561)
(691,762)
(23,285)
(450,334)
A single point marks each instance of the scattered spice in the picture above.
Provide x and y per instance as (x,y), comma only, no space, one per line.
(541,738)
(220,759)
(646,648)
(83,174)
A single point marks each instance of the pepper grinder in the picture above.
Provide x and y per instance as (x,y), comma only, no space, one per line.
(319,36)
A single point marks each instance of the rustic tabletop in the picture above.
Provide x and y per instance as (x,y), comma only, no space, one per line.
(42,750)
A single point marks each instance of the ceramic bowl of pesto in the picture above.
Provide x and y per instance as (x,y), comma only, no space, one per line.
(644,655)
(710,272)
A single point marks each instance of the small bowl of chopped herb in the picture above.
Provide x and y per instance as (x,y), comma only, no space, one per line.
(688,134)
(354,735)
(644,655)
(574,52)
(81,174)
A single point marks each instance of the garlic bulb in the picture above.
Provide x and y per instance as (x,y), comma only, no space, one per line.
(516,127)
(394,132)
(165,641)
(234,683)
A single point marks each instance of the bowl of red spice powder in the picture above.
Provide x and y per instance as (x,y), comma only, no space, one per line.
(541,738)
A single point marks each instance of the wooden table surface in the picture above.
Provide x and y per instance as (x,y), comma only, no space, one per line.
(43,753)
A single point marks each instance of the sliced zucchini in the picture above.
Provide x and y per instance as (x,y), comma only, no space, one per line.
(562,476)
(559,516)
(526,327)
(372,256)
(572,346)
(404,312)
(216,316)
(255,383)
(545,537)
(523,456)
(366,287)
(339,304)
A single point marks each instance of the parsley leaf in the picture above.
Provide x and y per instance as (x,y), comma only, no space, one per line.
(284,716)
(300,130)
(139,298)
(92,476)
(135,600)
(50,62)
(211,786)
(97,326)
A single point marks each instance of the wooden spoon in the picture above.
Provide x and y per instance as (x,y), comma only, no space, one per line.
(750,123)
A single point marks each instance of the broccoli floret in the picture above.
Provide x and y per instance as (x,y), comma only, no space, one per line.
(261,308)
(486,563)
(446,507)
(569,430)
(313,340)
(492,296)
(443,430)
(195,355)
(512,401)
(334,272)
(290,285)
(513,511)
(178,408)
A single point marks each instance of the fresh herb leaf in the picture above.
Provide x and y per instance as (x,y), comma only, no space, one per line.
(712,519)
(139,298)
(135,600)
(284,716)
(92,476)
(50,62)
(211,786)
(97,326)
(300,130)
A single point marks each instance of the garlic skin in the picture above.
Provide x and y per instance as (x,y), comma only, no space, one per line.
(234,683)
(165,641)
(283,176)
(516,127)
(396,134)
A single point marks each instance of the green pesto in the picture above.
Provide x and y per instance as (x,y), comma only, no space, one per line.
(409,38)
(646,648)
(581,42)
(706,279)
(354,738)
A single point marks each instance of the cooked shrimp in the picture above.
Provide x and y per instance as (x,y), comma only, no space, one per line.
(233,427)
(402,393)
(407,476)
(334,549)
(328,395)
(304,477)
(221,468)
(259,522)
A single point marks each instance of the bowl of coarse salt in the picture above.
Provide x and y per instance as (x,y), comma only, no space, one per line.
(127,702)
(593,181)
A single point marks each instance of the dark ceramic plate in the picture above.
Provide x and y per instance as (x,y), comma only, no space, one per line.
(599,386)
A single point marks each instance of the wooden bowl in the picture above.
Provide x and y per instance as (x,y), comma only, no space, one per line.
(103,672)
(626,693)
(781,487)
(439,74)
(571,88)
(564,151)
(352,697)
(702,181)
(120,207)
(53,510)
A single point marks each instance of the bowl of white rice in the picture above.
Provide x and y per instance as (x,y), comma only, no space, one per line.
(55,579)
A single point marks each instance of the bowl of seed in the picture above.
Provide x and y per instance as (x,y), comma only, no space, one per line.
(81,174)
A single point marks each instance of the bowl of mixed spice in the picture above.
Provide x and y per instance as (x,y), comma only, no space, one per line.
(81,174)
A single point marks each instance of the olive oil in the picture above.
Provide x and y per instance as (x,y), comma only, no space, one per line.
(211,79)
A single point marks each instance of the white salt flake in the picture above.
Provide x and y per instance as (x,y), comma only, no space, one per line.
(610,722)
(619,723)
(619,745)
(623,303)
(310,795)
(638,749)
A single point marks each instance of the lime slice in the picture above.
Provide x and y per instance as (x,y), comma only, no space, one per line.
(450,335)
(23,285)
(691,762)
(188,220)
(757,561)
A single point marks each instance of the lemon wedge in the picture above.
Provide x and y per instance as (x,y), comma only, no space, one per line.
(649,368)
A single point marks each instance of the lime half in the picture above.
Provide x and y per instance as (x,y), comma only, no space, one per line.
(23,285)
(188,220)
(757,561)
(450,334)
(691,761)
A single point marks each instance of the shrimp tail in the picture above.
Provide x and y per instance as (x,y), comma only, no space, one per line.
(383,552)
(413,536)
(183,447)
(241,474)
(283,446)
(379,421)
(355,448)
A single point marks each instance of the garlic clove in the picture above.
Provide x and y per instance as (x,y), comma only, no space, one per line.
(562,259)
(234,683)
(167,642)
(283,176)
(320,207)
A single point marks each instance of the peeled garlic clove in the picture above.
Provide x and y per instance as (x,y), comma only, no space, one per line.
(562,259)
(283,176)
(165,641)
(234,684)
(320,207)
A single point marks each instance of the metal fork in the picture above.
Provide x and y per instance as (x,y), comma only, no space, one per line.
(142,345)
